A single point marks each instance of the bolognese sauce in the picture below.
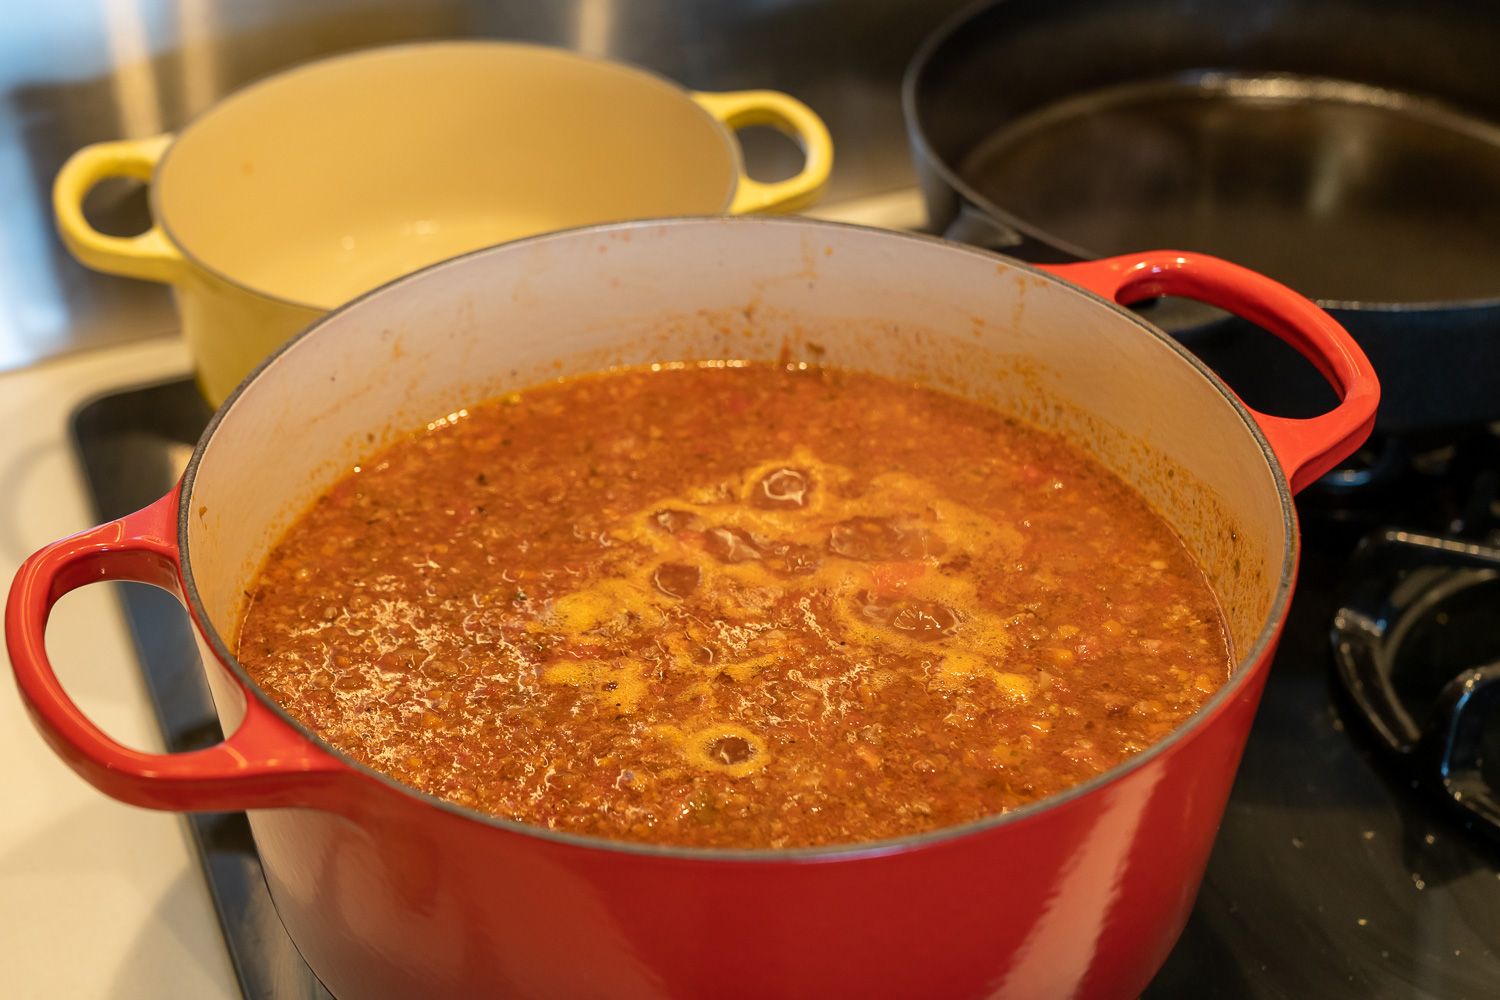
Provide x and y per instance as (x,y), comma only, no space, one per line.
(735,605)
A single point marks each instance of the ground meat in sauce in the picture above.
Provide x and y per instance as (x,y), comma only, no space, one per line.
(735,606)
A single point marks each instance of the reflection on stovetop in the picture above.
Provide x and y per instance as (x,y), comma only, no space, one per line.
(1335,875)
(1439,482)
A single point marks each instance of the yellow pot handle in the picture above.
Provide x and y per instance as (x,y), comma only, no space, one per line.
(150,255)
(740,108)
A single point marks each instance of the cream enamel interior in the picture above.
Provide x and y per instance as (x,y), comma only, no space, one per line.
(580,301)
(321,183)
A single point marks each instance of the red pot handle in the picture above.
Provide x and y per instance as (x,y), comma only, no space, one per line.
(1306,448)
(265,763)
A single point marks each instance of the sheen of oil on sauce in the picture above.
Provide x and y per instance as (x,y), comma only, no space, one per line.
(735,605)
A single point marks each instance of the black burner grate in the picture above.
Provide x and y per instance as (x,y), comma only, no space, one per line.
(1416,641)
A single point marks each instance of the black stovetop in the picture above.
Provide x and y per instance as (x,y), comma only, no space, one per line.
(1337,872)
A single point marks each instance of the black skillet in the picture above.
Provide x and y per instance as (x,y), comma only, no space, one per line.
(1349,149)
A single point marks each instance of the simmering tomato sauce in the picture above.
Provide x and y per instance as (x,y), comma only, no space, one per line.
(735,605)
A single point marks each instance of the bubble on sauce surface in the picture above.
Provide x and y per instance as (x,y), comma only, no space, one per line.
(677,520)
(731,545)
(731,749)
(781,489)
(880,539)
(916,618)
(676,580)
(794,559)
(727,748)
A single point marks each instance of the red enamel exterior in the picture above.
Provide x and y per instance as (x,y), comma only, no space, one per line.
(388,894)
(1306,449)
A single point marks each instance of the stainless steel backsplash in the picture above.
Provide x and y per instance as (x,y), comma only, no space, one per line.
(72,73)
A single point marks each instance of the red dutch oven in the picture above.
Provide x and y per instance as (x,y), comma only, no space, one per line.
(391,893)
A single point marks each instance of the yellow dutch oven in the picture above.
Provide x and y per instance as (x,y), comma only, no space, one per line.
(300,192)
